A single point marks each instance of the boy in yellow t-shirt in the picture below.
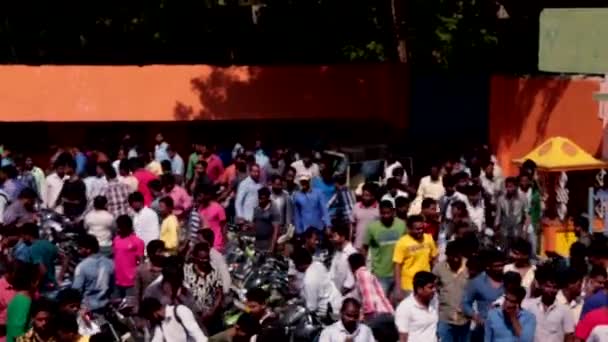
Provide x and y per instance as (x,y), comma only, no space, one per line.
(169,228)
(413,253)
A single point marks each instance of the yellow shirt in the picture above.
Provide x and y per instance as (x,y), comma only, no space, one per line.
(169,232)
(414,257)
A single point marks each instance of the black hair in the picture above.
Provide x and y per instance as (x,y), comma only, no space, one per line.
(511,278)
(342,230)
(65,322)
(136,197)
(91,168)
(165,165)
(264,192)
(571,276)
(454,248)
(392,183)
(276,177)
(598,271)
(24,275)
(423,278)
(248,324)
(202,163)
(473,189)
(155,184)
(522,246)
(100,202)
(518,291)
(154,246)
(208,235)
(28,193)
(200,247)
(167,179)
(402,201)
(89,242)
(449,181)
(103,336)
(598,248)
(301,257)
(109,171)
(350,301)
(124,222)
(578,250)
(428,202)
(546,273)
(167,201)
(309,233)
(340,179)
(386,204)
(149,306)
(511,180)
(258,295)
(123,165)
(42,305)
(10,171)
(30,229)
(356,261)
(581,221)
(414,219)
(475,171)
(492,256)
(291,169)
(369,187)
(68,296)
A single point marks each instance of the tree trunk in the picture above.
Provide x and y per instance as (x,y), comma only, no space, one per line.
(397,7)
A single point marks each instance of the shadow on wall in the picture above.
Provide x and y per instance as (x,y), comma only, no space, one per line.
(519,99)
(357,92)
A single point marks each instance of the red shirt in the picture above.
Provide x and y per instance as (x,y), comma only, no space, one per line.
(6,295)
(595,318)
(127,251)
(143,177)
(432,228)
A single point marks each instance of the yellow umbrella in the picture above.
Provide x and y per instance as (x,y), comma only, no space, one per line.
(561,154)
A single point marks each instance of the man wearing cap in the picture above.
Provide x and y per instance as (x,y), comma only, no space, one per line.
(309,207)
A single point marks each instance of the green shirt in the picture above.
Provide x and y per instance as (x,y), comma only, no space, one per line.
(191,165)
(45,253)
(17,314)
(381,240)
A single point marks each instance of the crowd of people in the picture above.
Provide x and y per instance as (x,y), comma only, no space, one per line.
(451,259)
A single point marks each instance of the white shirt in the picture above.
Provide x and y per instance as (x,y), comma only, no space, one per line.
(429,188)
(477,214)
(99,223)
(170,330)
(131,181)
(177,165)
(3,204)
(319,291)
(219,264)
(388,172)
(598,334)
(389,197)
(339,270)
(337,333)
(551,324)
(51,191)
(146,225)
(416,320)
(95,186)
(527,279)
(457,196)
(301,169)
(575,306)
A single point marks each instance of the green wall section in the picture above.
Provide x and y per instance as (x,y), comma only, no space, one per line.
(573,40)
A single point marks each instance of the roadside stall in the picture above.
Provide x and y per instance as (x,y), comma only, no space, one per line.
(556,159)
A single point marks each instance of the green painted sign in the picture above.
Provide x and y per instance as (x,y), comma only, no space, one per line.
(573,40)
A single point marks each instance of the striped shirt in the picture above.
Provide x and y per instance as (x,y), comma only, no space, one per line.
(373,299)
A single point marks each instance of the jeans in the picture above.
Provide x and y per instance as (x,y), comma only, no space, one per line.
(388,285)
(453,333)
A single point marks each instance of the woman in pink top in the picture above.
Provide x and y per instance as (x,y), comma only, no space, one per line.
(128,253)
(214,215)
(181,200)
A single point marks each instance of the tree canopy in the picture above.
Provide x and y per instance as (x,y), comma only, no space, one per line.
(440,34)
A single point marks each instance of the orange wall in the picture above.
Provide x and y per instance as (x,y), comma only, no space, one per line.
(170,93)
(526,111)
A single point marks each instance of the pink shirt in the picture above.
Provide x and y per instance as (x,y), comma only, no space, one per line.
(143,177)
(6,295)
(215,167)
(215,215)
(181,200)
(127,251)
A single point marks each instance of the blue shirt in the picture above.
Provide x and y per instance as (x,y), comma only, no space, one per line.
(327,190)
(81,163)
(596,301)
(13,188)
(94,277)
(310,210)
(22,252)
(247,198)
(498,329)
(481,291)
